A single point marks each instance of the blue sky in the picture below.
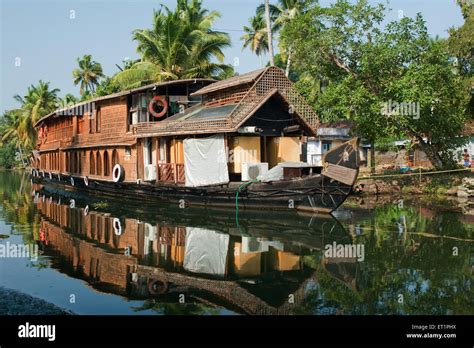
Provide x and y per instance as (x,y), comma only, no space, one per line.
(47,41)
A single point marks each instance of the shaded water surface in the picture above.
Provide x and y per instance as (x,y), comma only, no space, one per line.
(101,256)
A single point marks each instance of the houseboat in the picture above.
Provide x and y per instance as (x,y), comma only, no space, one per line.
(238,142)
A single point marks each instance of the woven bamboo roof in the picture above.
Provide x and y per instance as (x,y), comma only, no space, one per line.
(263,84)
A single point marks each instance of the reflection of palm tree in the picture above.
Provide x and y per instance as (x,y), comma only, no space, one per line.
(180,44)
(87,75)
(17,206)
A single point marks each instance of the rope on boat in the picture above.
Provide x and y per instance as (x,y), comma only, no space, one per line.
(244,185)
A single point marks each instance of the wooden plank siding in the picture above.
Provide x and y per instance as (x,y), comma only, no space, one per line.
(71,140)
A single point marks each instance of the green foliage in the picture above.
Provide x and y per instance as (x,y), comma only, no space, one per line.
(467,7)
(281,13)
(7,155)
(17,125)
(106,87)
(281,63)
(100,205)
(461,43)
(361,66)
(87,75)
(39,100)
(408,250)
(180,44)
(386,144)
(256,37)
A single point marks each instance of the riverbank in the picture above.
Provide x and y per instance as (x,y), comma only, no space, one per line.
(460,184)
(13,302)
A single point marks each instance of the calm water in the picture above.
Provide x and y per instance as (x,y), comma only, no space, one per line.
(99,256)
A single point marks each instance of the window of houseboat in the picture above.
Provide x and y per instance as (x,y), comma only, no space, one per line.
(163,158)
(149,151)
(91,123)
(133,110)
(91,163)
(98,164)
(138,108)
(97,120)
(106,164)
(144,100)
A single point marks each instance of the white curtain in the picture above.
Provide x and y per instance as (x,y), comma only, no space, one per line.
(205,161)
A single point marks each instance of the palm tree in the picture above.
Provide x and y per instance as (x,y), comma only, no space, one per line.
(87,75)
(39,100)
(280,14)
(68,100)
(11,125)
(255,36)
(180,44)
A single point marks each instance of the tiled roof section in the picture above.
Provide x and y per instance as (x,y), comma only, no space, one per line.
(248,78)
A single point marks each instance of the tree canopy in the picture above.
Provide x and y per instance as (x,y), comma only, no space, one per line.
(362,66)
(180,44)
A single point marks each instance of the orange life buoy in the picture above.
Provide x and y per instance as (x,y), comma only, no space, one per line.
(159,99)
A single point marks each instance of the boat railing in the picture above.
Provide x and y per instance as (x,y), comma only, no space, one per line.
(171,172)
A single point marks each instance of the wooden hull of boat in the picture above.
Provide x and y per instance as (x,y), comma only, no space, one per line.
(314,194)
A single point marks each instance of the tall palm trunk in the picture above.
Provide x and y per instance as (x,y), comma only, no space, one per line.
(269,31)
(288,62)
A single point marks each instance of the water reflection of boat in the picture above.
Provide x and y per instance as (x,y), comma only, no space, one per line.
(255,266)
